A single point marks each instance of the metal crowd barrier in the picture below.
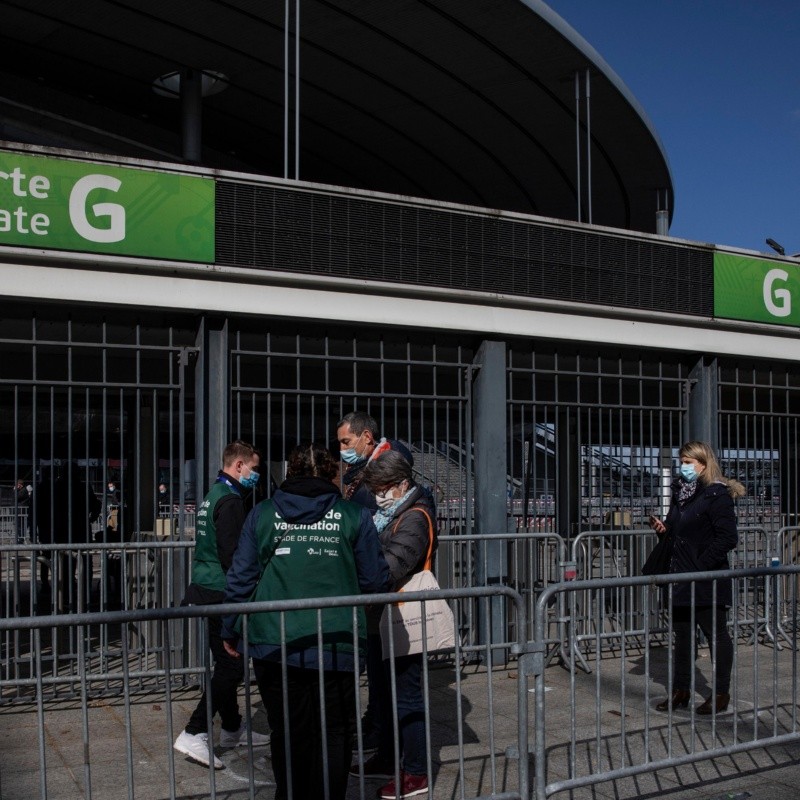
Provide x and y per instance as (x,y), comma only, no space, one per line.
(786,552)
(52,580)
(474,736)
(606,555)
(611,554)
(611,729)
(13,524)
(526,562)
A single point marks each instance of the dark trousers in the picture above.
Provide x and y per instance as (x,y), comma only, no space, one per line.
(74,582)
(305,728)
(228,673)
(721,644)
(375,680)
(410,714)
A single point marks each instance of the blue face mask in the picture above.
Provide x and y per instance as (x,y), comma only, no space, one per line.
(251,481)
(688,472)
(351,457)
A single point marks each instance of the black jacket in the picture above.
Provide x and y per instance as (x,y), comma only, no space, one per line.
(704,532)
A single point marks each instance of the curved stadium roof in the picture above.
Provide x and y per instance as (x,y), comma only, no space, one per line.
(466,102)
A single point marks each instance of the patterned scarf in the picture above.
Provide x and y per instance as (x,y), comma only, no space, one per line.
(686,492)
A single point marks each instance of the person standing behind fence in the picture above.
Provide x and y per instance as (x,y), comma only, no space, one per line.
(404,520)
(306,542)
(702,525)
(22,493)
(67,507)
(219,524)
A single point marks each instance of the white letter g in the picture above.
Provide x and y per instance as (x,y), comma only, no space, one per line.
(115,212)
(777,301)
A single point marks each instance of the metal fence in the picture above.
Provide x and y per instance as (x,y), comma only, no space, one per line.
(100,577)
(631,609)
(589,727)
(475,730)
(531,562)
(603,726)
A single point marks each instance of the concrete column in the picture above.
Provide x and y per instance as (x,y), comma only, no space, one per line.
(568,466)
(702,410)
(212,395)
(490,434)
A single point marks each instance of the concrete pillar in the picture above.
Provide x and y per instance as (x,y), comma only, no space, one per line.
(568,467)
(212,394)
(490,434)
(702,409)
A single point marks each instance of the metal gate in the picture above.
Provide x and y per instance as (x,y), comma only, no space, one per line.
(294,383)
(96,418)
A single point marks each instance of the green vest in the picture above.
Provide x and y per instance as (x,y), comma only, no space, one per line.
(206,569)
(313,560)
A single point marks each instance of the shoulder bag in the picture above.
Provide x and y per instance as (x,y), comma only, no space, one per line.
(660,558)
(401,623)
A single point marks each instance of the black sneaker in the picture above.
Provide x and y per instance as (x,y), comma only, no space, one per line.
(375,767)
(369,743)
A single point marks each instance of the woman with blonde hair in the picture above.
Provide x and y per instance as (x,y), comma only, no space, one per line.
(702,525)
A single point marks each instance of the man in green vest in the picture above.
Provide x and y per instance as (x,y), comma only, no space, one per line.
(219,523)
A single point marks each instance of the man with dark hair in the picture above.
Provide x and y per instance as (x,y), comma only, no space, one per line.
(219,523)
(359,442)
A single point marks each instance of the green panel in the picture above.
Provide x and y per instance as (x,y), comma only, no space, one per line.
(756,289)
(95,208)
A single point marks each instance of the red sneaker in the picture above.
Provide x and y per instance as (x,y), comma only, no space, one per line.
(410,786)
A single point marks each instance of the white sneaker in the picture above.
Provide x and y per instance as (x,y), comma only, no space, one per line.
(239,738)
(196,747)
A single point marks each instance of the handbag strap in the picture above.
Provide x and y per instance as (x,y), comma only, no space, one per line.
(428,557)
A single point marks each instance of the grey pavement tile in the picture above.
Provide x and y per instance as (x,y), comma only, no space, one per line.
(571,704)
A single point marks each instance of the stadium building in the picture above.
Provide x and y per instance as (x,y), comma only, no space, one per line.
(242,219)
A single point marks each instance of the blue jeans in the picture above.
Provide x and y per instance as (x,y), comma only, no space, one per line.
(410,714)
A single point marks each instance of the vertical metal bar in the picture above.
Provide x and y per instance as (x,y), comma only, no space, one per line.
(41,732)
(588,147)
(578,140)
(297,91)
(83,640)
(286,90)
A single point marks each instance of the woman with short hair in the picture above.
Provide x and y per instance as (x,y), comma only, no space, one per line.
(405,523)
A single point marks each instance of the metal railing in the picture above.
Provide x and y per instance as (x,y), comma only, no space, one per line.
(95,576)
(464,751)
(613,730)
(526,562)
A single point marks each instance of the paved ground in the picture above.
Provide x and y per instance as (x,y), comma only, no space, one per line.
(591,724)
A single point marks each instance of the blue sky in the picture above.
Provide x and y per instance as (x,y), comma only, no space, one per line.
(720,81)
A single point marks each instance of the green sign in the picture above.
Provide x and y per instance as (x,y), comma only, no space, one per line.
(756,289)
(96,208)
